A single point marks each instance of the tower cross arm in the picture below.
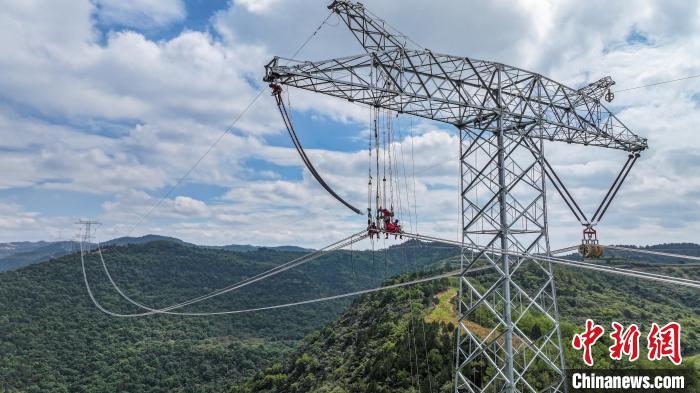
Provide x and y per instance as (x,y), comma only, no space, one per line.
(463,92)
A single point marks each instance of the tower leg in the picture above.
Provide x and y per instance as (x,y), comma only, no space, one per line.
(508,337)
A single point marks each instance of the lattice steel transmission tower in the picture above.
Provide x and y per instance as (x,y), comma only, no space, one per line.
(85,235)
(508,327)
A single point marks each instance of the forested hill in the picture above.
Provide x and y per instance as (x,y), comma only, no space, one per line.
(402,340)
(53,339)
(18,254)
(381,344)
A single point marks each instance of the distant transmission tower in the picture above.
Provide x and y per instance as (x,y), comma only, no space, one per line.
(509,338)
(86,232)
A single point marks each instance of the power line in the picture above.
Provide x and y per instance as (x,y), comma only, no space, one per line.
(622,271)
(261,276)
(561,261)
(665,254)
(563,250)
(658,83)
(585,265)
(273,307)
(334,297)
(187,173)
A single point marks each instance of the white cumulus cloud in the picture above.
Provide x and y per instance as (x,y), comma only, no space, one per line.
(123,116)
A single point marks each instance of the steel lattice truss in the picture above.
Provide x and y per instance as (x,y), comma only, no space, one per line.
(463,92)
(598,88)
(504,115)
(501,296)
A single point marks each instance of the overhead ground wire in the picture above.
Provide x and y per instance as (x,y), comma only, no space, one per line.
(659,83)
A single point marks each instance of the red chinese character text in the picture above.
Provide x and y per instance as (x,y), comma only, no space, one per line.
(586,340)
(626,342)
(665,342)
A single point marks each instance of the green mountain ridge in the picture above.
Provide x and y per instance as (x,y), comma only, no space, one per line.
(380,344)
(53,339)
(401,341)
(15,255)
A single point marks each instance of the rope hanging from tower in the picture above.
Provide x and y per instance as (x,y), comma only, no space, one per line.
(381,217)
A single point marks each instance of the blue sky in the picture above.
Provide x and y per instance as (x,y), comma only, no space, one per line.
(105,104)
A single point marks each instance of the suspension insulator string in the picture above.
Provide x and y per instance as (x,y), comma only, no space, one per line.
(384,152)
(389,153)
(376,148)
(369,175)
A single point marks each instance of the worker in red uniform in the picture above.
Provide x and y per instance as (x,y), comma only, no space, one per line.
(385,214)
(392,227)
(276,89)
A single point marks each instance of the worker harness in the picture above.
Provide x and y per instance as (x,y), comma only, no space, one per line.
(277,93)
(589,248)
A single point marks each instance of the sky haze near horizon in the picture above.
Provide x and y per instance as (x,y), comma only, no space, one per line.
(105,104)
